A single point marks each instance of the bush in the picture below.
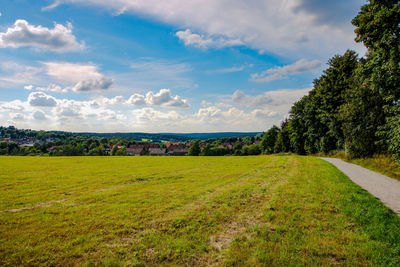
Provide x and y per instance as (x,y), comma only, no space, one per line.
(251,150)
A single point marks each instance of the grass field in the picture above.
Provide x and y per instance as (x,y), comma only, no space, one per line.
(265,210)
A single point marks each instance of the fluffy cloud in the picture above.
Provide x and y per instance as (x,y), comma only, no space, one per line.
(163,98)
(278,98)
(151,115)
(93,85)
(50,88)
(242,99)
(15,73)
(295,28)
(39,99)
(18,117)
(243,112)
(12,106)
(199,41)
(58,39)
(72,72)
(137,100)
(39,115)
(86,77)
(279,73)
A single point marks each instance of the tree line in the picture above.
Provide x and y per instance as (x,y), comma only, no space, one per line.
(355,104)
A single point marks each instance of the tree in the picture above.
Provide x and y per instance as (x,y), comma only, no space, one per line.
(206,150)
(195,150)
(393,134)
(269,139)
(114,150)
(282,143)
(297,127)
(376,90)
(251,150)
(121,152)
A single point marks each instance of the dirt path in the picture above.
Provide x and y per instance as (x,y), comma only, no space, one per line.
(382,187)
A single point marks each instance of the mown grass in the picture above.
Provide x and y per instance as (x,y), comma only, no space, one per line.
(266,210)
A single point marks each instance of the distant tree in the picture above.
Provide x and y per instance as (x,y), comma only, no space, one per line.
(114,150)
(269,139)
(251,150)
(207,150)
(195,150)
(121,152)
(282,143)
(297,126)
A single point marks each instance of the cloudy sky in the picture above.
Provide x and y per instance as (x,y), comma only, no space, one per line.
(164,66)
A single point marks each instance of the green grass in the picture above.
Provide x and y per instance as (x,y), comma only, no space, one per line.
(382,163)
(266,210)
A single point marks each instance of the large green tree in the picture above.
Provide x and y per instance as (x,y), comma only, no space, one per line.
(376,88)
(269,139)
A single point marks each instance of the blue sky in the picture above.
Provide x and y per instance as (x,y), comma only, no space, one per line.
(164,66)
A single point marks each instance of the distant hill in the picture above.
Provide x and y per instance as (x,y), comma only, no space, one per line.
(171,136)
(154,137)
(214,135)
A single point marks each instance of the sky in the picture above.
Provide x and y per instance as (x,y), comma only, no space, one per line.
(164,66)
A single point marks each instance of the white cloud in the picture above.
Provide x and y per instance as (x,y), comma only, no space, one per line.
(51,6)
(279,73)
(39,99)
(72,72)
(39,115)
(86,77)
(151,115)
(50,88)
(157,73)
(163,98)
(15,73)
(283,98)
(292,28)
(264,114)
(246,113)
(58,39)
(199,41)
(12,106)
(28,87)
(205,104)
(231,69)
(242,99)
(137,100)
(93,85)
(17,117)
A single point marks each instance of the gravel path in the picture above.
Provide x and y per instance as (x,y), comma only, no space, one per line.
(382,187)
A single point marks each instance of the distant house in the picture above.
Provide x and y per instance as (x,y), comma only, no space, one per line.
(118,146)
(136,150)
(151,145)
(157,151)
(226,145)
(172,144)
(52,149)
(50,140)
(178,150)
